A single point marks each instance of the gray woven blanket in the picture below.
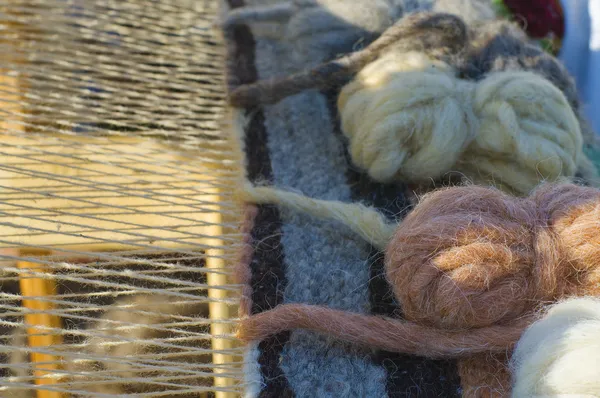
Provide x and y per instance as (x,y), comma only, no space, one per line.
(297,144)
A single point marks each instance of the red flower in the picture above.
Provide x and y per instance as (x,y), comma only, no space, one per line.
(538,17)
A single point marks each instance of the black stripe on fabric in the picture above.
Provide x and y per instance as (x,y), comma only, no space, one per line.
(407,376)
(267,264)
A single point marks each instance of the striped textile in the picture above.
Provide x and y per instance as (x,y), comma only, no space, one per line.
(297,144)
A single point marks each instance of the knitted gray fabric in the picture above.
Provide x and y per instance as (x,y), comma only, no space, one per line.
(297,144)
(321,266)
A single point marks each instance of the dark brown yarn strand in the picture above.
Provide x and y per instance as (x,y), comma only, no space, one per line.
(382,333)
(434,30)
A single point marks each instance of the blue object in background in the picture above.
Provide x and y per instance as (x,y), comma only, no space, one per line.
(580,53)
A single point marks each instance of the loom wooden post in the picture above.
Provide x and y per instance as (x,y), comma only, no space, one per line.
(13,87)
(218,311)
(38,321)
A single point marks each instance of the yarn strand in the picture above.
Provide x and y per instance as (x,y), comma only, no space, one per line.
(449,28)
(364,221)
(383,333)
(472,267)
(467,264)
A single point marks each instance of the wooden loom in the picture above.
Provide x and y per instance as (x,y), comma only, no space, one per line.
(134,187)
(42,212)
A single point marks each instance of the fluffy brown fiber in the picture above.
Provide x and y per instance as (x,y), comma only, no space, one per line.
(471,267)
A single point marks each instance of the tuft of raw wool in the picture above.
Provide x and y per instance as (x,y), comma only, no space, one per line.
(470,267)
(410,118)
(559,354)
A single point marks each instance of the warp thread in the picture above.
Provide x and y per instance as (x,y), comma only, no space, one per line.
(470,266)
(110,361)
(410,118)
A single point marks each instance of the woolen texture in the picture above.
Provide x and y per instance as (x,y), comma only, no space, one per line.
(409,117)
(312,261)
(558,355)
(513,113)
(470,267)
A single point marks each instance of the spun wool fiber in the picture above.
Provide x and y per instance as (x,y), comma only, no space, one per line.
(408,117)
(474,57)
(497,111)
(364,221)
(440,33)
(500,46)
(465,262)
(559,355)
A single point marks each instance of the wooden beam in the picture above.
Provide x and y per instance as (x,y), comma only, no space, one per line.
(37,323)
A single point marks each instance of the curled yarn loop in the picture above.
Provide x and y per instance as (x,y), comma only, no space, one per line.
(466,258)
(409,117)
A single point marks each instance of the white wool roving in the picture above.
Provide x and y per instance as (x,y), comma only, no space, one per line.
(559,355)
(408,117)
